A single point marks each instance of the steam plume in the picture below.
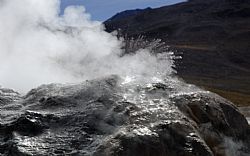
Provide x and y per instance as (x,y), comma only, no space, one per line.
(38,46)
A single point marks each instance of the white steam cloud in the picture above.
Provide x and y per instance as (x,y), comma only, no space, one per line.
(37,46)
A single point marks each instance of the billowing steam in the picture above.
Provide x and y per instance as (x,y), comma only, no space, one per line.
(38,46)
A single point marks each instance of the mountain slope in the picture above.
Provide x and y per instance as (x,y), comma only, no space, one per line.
(212,36)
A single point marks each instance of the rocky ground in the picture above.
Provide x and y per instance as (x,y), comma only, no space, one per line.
(110,117)
(212,36)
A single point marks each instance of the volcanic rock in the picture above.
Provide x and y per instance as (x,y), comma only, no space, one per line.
(107,117)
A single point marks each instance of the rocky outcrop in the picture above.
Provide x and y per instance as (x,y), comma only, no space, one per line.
(107,117)
(8,96)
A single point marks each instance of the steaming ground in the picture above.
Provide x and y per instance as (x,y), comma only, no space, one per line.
(37,46)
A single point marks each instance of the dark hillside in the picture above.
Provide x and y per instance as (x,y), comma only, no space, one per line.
(213,36)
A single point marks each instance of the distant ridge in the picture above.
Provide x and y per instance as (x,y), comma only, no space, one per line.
(128,13)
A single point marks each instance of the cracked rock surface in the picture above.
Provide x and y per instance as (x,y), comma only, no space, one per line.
(106,117)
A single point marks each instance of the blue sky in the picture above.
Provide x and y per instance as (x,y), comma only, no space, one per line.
(104,9)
